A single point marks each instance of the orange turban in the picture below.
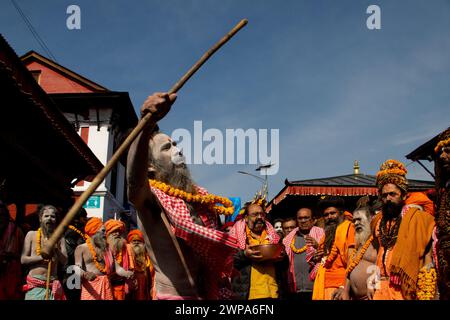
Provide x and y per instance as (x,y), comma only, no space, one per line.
(135,235)
(92,226)
(392,171)
(114,225)
(444,141)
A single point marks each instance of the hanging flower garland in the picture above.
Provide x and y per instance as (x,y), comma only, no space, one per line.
(426,284)
(118,257)
(332,256)
(94,256)
(295,250)
(208,200)
(357,256)
(71,227)
(38,241)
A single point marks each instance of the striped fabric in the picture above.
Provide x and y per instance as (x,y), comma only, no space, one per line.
(97,289)
(238,231)
(57,292)
(214,247)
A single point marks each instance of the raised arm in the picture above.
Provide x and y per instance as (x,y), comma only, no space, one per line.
(158,105)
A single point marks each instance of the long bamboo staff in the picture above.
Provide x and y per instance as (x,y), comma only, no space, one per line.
(131,137)
(47,283)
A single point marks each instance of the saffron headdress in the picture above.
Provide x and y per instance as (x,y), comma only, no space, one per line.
(392,171)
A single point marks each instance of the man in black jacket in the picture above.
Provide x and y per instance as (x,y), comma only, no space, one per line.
(254,276)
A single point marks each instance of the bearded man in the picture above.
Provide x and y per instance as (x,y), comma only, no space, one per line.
(256,279)
(361,265)
(334,249)
(403,236)
(144,273)
(37,265)
(189,265)
(11,242)
(122,255)
(95,262)
(301,244)
(442,173)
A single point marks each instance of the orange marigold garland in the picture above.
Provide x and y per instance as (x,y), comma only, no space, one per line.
(71,227)
(94,256)
(118,257)
(209,200)
(441,144)
(38,242)
(332,256)
(359,255)
(426,284)
(295,250)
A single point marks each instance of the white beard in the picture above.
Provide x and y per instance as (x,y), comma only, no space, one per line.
(362,236)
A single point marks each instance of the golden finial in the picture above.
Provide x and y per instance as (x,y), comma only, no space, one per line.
(356,167)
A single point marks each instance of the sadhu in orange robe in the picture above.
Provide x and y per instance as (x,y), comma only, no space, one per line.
(331,273)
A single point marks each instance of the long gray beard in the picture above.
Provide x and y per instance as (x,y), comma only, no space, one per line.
(177,176)
(47,231)
(99,242)
(362,236)
(117,244)
(139,252)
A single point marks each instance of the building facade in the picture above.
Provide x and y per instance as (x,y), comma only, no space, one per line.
(101,117)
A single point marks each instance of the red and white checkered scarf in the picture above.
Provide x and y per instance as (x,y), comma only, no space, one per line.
(238,231)
(54,285)
(214,247)
(316,233)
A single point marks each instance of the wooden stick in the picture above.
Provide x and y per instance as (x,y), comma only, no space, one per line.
(47,284)
(131,137)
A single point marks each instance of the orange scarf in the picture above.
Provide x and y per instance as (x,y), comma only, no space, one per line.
(413,237)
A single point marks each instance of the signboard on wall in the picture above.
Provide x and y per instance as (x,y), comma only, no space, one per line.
(92,203)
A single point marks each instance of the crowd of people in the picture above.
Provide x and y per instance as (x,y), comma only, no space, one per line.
(394,248)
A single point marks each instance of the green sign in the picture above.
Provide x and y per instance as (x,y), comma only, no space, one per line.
(92,203)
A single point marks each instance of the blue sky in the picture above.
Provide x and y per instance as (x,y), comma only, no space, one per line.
(337,91)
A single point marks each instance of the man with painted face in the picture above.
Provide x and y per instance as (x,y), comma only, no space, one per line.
(361,265)
(301,244)
(179,220)
(334,249)
(256,279)
(403,237)
(38,266)
(278,226)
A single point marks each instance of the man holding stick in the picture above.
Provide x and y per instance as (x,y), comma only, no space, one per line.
(42,276)
(188,266)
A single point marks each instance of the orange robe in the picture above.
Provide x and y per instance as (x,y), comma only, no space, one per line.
(412,241)
(119,285)
(331,275)
(145,282)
